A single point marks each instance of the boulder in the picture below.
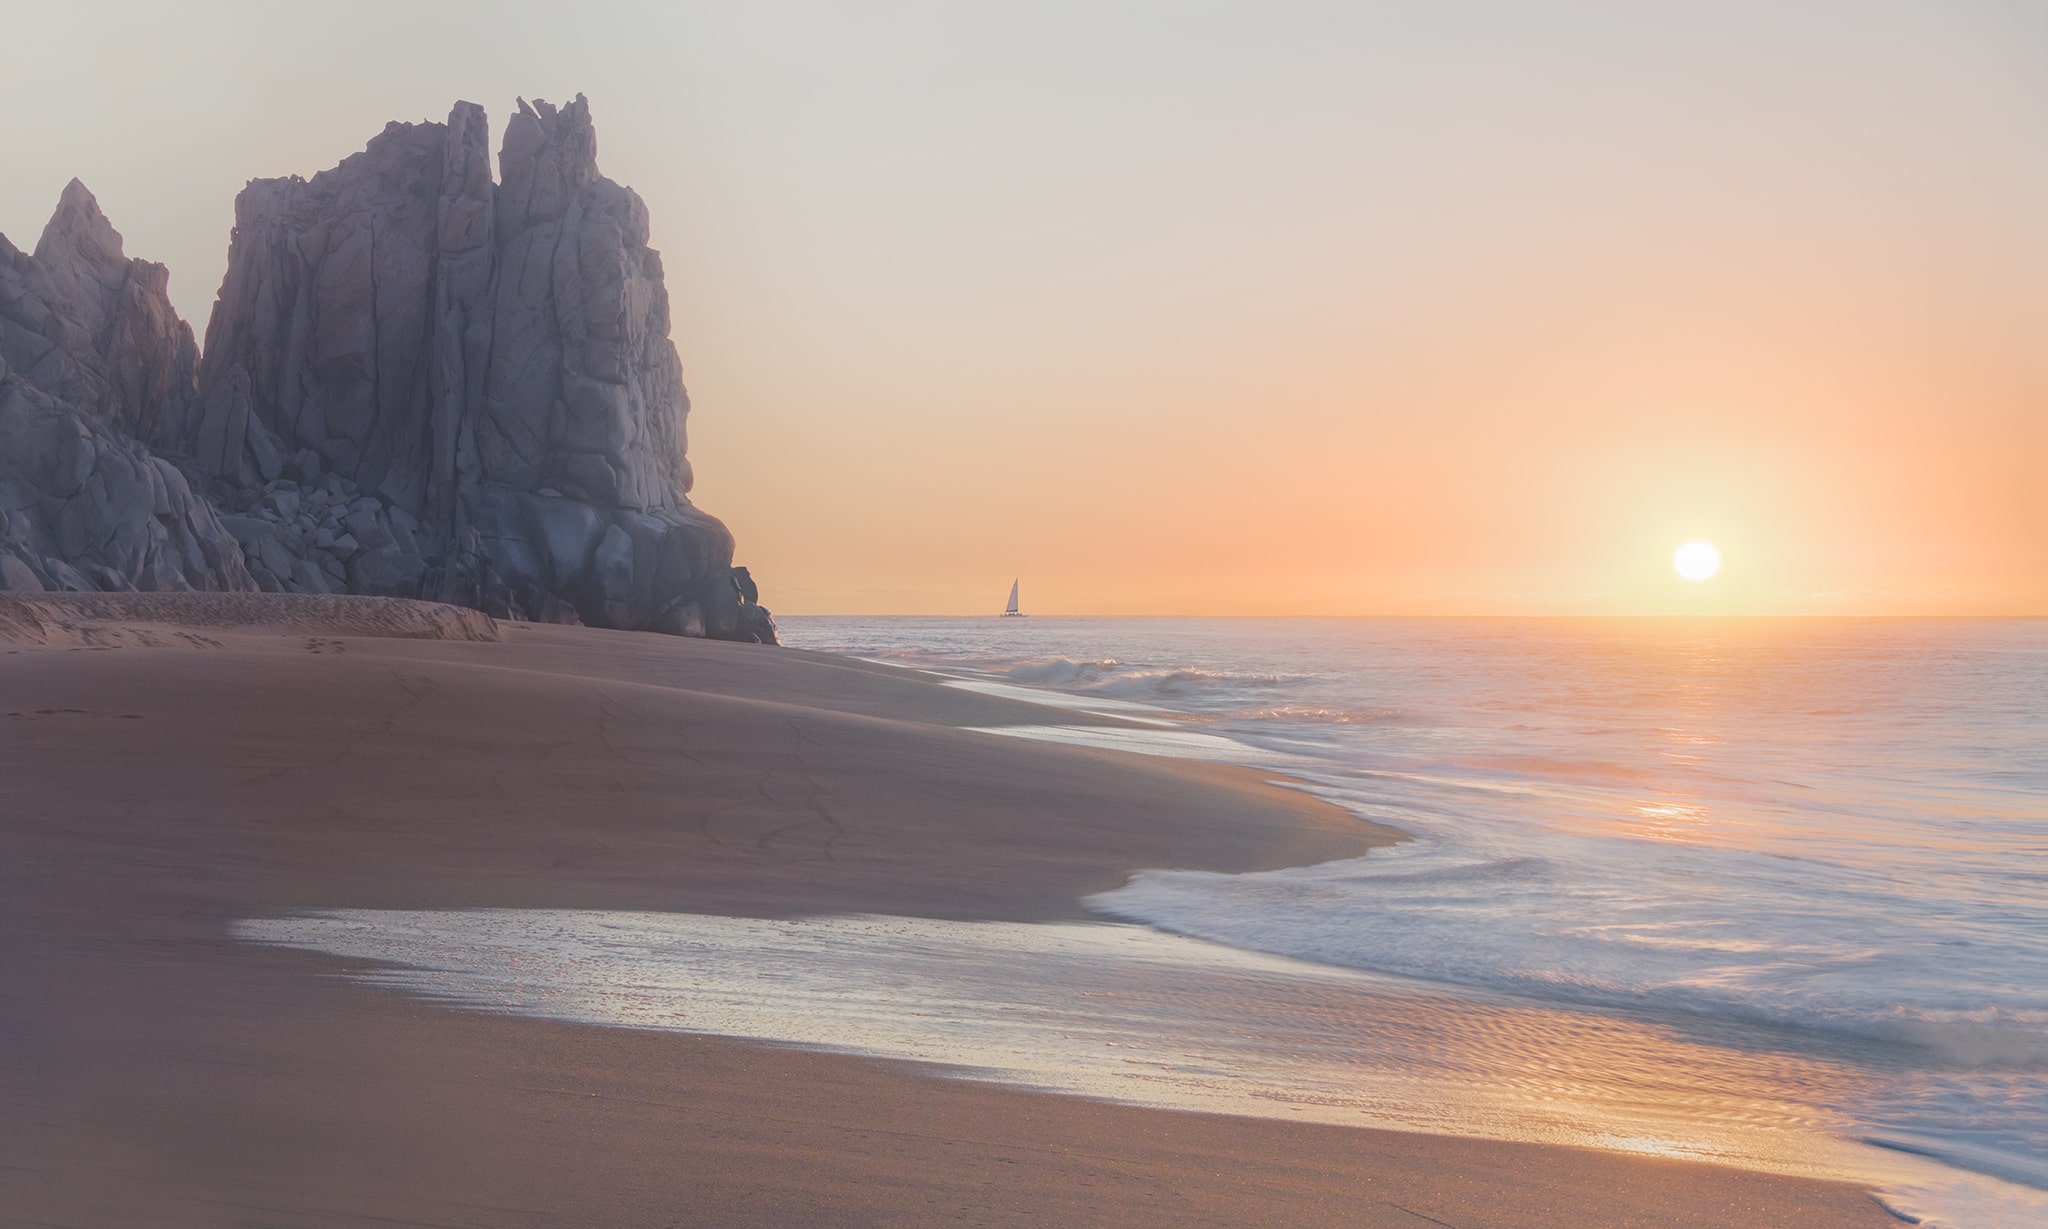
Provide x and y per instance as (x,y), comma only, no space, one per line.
(17,575)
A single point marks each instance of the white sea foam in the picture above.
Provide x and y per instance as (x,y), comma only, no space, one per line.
(1171,742)
(1101,706)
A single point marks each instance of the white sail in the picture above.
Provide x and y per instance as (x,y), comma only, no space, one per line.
(1012,607)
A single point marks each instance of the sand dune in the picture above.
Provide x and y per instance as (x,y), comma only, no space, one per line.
(201,619)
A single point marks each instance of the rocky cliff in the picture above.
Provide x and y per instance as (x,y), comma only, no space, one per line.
(416,382)
(93,362)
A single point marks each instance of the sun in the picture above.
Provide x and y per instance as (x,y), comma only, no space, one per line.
(1697,560)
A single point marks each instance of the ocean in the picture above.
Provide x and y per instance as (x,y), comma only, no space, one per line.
(1837,827)
(1772,892)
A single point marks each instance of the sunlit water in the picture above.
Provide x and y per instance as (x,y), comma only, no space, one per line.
(1749,891)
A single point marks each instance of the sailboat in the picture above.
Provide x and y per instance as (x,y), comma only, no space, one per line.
(1011,611)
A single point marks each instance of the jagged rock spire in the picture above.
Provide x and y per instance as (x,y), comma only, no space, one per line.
(92,358)
(81,250)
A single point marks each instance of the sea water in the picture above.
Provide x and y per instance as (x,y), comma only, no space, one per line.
(1837,827)
(1721,889)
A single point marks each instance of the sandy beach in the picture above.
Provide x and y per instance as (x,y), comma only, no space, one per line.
(169,765)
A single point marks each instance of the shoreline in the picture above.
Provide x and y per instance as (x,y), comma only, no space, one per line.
(158,793)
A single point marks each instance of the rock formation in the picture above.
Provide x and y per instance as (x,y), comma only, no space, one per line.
(91,357)
(415,383)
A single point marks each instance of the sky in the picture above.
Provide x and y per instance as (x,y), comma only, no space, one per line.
(1235,309)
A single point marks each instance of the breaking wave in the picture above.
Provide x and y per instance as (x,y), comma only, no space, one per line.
(1121,681)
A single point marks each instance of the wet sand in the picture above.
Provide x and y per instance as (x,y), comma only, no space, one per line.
(165,771)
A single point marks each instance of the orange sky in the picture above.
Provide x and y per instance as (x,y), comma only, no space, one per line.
(1190,308)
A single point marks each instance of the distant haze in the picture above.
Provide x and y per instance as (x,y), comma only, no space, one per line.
(1235,308)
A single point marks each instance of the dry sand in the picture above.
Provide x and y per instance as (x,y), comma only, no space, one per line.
(170,765)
